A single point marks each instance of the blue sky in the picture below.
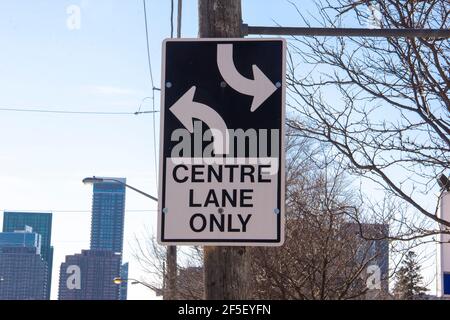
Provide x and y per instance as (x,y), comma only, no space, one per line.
(100,67)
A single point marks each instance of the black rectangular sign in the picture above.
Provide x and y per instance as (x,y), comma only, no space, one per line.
(222,150)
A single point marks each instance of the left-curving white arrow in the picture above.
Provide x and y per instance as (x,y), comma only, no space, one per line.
(260,87)
(186,109)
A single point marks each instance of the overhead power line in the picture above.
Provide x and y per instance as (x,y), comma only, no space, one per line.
(153,91)
(44,110)
(83,211)
(148,46)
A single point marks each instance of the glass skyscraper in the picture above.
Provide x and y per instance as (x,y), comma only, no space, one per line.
(371,252)
(123,287)
(23,272)
(21,238)
(97,270)
(41,223)
(108,208)
(98,266)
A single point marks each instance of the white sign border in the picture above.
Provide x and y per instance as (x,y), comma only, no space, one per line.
(237,242)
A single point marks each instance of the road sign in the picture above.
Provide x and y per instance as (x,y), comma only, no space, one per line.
(443,279)
(222,150)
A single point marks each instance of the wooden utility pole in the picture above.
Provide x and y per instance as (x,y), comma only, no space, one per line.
(171,276)
(226,269)
(219,18)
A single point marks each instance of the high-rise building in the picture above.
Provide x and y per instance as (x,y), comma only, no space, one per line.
(96,268)
(373,249)
(90,275)
(23,272)
(21,238)
(108,208)
(41,223)
(124,284)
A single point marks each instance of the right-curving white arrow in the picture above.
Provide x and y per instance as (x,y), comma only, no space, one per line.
(260,87)
(186,109)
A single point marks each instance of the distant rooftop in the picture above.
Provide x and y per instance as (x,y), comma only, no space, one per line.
(110,179)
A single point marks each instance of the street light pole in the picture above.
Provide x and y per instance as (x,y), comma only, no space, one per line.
(95,179)
(171,253)
(119,281)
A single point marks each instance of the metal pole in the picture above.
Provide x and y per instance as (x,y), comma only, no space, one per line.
(179,17)
(141,192)
(443,265)
(344,32)
(171,251)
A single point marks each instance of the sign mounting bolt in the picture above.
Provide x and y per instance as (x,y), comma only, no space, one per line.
(276,211)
